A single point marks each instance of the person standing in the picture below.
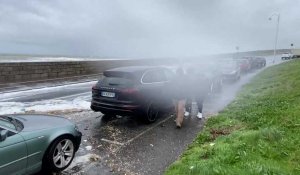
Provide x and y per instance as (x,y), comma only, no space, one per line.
(179,85)
(198,88)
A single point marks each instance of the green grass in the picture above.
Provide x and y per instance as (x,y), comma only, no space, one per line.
(258,133)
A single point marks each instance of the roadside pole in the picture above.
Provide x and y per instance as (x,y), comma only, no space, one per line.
(276,34)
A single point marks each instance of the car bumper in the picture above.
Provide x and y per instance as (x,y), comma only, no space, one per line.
(118,109)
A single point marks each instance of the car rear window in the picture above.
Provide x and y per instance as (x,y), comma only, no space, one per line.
(229,65)
(117,82)
(154,76)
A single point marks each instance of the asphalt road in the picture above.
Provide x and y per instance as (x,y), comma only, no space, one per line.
(65,92)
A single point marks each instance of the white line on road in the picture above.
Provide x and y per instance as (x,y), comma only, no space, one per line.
(123,144)
(137,136)
(112,142)
(147,130)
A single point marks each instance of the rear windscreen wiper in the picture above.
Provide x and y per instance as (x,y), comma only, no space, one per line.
(113,84)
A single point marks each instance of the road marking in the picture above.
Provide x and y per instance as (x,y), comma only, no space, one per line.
(112,142)
(147,130)
(137,136)
(87,167)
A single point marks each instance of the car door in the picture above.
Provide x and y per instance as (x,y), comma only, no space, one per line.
(167,95)
(13,154)
(153,82)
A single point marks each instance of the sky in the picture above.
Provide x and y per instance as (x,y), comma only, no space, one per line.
(145,28)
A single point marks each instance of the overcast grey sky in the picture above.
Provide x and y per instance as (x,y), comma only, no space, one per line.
(145,28)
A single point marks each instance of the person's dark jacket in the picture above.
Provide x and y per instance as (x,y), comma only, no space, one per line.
(197,85)
(177,87)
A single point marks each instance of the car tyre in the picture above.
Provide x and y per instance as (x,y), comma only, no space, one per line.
(152,113)
(59,155)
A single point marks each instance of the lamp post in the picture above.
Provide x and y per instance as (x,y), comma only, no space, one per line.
(276,34)
(237,48)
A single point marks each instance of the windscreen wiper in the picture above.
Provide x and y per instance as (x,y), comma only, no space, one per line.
(113,84)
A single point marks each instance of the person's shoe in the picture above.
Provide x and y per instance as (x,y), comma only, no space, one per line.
(199,115)
(186,114)
(178,126)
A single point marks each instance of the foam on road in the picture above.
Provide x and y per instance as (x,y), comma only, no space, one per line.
(46,106)
(73,97)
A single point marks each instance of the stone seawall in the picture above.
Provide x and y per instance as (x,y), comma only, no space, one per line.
(30,71)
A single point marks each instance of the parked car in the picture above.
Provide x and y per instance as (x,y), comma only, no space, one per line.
(286,56)
(136,90)
(231,70)
(212,73)
(244,64)
(259,62)
(29,143)
(295,53)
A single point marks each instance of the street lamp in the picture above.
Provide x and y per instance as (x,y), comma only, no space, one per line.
(237,48)
(276,34)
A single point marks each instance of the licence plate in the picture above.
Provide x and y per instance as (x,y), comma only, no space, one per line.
(108,94)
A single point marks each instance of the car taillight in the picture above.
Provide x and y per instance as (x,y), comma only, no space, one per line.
(94,87)
(130,90)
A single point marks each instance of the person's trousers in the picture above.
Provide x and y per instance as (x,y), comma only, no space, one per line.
(199,101)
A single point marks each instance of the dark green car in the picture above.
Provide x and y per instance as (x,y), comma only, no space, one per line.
(30,143)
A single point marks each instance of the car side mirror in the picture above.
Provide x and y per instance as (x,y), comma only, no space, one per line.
(3,135)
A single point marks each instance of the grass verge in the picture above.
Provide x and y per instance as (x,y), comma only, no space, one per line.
(258,133)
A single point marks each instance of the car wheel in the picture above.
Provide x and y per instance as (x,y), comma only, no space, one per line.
(151,113)
(60,154)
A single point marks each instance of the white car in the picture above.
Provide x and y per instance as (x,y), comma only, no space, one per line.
(286,56)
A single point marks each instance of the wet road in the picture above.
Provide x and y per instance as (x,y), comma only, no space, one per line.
(63,92)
